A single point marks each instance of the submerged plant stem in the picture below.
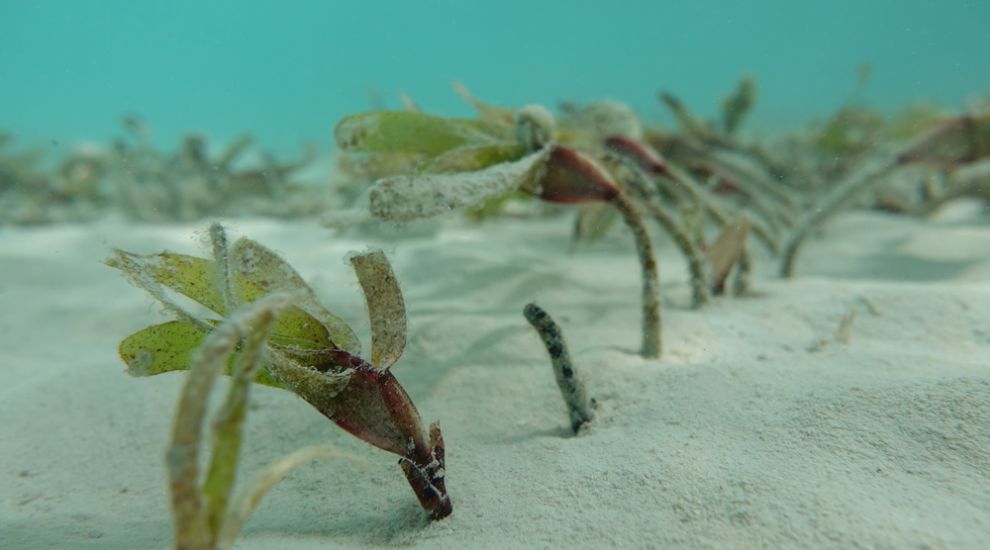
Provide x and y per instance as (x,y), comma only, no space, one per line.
(192,526)
(840,196)
(652,342)
(695,191)
(696,264)
(571,388)
(227,427)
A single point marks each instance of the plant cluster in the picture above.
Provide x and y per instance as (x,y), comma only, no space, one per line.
(700,175)
(266,326)
(133,178)
(293,343)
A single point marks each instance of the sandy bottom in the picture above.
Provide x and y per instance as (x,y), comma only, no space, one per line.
(758,427)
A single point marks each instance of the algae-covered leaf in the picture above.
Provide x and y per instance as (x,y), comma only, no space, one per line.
(404,198)
(168,347)
(257,271)
(373,166)
(195,278)
(317,388)
(409,132)
(386,308)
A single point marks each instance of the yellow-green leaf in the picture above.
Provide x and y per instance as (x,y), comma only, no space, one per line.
(161,348)
(257,271)
(169,347)
(195,278)
(410,132)
(471,158)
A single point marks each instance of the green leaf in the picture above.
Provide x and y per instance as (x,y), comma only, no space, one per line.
(257,271)
(169,347)
(472,158)
(161,348)
(410,132)
(195,278)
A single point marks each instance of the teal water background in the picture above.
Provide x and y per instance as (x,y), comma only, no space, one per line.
(288,70)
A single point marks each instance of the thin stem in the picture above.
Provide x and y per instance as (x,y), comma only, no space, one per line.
(638,183)
(697,192)
(652,343)
(227,426)
(191,526)
(840,196)
(571,388)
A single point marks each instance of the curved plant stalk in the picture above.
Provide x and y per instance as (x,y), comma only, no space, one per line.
(197,523)
(734,162)
(579,406)
(696,191)
(568,177)
(838,198)
(956,142)
(654,166)
(652,345)
(710,137)
(642,189)
(771,212)
(641,163)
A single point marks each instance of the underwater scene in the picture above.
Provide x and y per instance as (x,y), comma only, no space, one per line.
(455,275)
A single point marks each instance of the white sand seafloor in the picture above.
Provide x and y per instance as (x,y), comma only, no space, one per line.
(758,428)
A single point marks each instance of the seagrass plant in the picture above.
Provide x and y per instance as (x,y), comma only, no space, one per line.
(282,337)
(461,163)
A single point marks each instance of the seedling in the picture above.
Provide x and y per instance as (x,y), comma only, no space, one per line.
(310,352)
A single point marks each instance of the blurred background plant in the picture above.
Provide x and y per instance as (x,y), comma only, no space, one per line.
(134,179)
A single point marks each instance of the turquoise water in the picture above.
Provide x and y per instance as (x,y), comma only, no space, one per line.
(288,71)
